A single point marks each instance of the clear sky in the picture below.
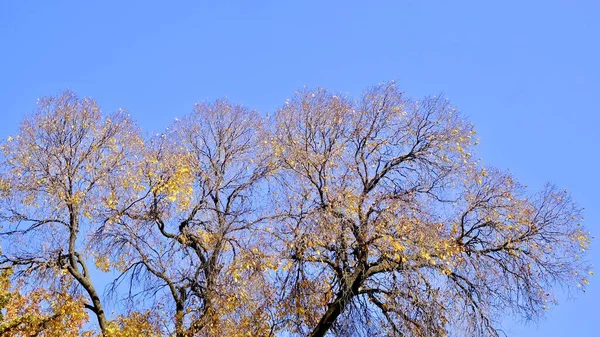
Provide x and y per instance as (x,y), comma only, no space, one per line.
(527,74)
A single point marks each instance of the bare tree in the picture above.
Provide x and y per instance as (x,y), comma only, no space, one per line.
(393,228)
(54,176)
(194,231)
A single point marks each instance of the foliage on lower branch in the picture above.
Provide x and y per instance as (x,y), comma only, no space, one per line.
(39,311)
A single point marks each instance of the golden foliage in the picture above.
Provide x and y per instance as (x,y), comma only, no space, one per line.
(39,312)
(337,216)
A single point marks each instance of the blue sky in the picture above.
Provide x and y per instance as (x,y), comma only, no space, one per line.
(525,72)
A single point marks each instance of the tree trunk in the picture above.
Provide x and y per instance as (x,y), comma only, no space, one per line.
(334,309)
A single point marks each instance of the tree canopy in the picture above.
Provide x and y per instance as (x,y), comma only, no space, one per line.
(336,216)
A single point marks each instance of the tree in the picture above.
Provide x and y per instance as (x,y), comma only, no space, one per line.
(336,217)
(193,230)
(393,229)
(57,174)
